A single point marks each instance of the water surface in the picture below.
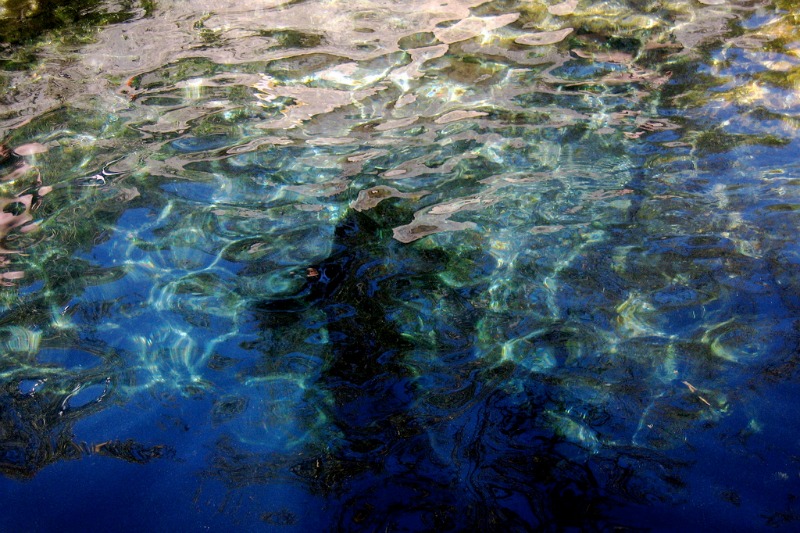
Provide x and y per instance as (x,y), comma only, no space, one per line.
(316,265)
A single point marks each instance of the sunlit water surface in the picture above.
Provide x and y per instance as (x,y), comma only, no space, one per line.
(397,266)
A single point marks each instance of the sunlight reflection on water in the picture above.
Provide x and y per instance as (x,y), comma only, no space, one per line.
(438,264)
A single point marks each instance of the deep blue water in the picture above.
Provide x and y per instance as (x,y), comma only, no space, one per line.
(313,266)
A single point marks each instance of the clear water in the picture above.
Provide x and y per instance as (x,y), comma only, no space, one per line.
(320,265)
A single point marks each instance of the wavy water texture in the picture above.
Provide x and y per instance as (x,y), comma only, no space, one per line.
(430,265)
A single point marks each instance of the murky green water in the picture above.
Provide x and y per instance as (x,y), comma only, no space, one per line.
(400,266)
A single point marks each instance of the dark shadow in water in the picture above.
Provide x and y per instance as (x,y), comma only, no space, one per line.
(423,437)
(37,421)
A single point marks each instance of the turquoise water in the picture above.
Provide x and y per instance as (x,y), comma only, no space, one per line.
(424,266)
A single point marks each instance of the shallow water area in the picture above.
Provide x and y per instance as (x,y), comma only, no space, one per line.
(313,265)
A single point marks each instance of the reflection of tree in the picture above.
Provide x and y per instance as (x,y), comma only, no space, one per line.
(42,400)
(33,434)
(422,432)
(412,425)
(25,19)
(483,443)
(37,417)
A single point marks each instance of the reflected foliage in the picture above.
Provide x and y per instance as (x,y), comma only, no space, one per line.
(24,20)
(41,403)
(513,266)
